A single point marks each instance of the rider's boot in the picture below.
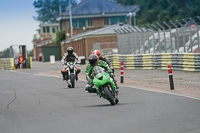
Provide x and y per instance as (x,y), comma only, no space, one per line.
(89,89)
(69,83)
(63,74)
(117,88)
(76,76)
(77,72)
(115,81)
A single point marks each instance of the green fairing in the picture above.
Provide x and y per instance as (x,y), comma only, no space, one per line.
(102,78)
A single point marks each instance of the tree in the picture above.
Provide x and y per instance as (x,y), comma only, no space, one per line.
(30,53)
(5,53)
(163,10)
(60,36)
(173,10)
(49,10)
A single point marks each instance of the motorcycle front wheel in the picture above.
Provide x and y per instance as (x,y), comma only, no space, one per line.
(72,79)
(109,95)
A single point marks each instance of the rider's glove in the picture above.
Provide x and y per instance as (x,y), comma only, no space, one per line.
(62,62)
(109,71)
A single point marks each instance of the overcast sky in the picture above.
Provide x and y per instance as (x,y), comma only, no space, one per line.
(17,25)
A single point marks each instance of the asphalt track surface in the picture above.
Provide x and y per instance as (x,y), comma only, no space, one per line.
(30,103)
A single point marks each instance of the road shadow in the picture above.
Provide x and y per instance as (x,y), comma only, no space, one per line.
(108,105)
(67,88)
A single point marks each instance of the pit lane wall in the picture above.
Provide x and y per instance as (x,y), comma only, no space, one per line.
(185,61)
(8,63)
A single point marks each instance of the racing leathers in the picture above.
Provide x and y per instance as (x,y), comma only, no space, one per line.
(105,60)
(109,64)
(69,58)
(90,77)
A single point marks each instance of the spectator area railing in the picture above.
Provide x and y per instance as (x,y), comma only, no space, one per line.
(185,61)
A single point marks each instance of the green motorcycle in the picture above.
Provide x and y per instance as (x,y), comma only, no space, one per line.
(104,85)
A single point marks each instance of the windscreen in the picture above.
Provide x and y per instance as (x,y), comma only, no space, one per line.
(97,70)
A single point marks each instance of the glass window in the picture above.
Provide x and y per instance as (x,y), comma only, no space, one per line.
(48,29)
(78,23)
(74,23)
(81,23)
(62,25)
(89,22)
(114,20)
(120,19)
(106,21)
(123,19)
(44,30)
(53,30)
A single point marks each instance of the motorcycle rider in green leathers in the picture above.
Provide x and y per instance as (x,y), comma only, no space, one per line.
(93,61)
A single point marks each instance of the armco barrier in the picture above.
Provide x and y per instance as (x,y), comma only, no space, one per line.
(147,61)
(130,62)
(185,61)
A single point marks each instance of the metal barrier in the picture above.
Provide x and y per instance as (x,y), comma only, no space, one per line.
(185,61)
(177,37)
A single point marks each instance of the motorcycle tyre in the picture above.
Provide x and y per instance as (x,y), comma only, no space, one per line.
(116,100)
(69,86)
(72,79)
(109,95)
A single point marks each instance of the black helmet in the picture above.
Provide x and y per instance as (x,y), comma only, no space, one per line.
(93,59)
(70,50)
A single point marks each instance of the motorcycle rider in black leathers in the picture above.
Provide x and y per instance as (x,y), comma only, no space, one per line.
(70,56)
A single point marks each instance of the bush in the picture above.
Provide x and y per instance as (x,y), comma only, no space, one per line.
(60,36)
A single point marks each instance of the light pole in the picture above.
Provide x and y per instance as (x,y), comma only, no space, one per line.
(70,16)
(60,10)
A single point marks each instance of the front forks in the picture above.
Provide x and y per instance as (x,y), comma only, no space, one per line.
(100,90)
